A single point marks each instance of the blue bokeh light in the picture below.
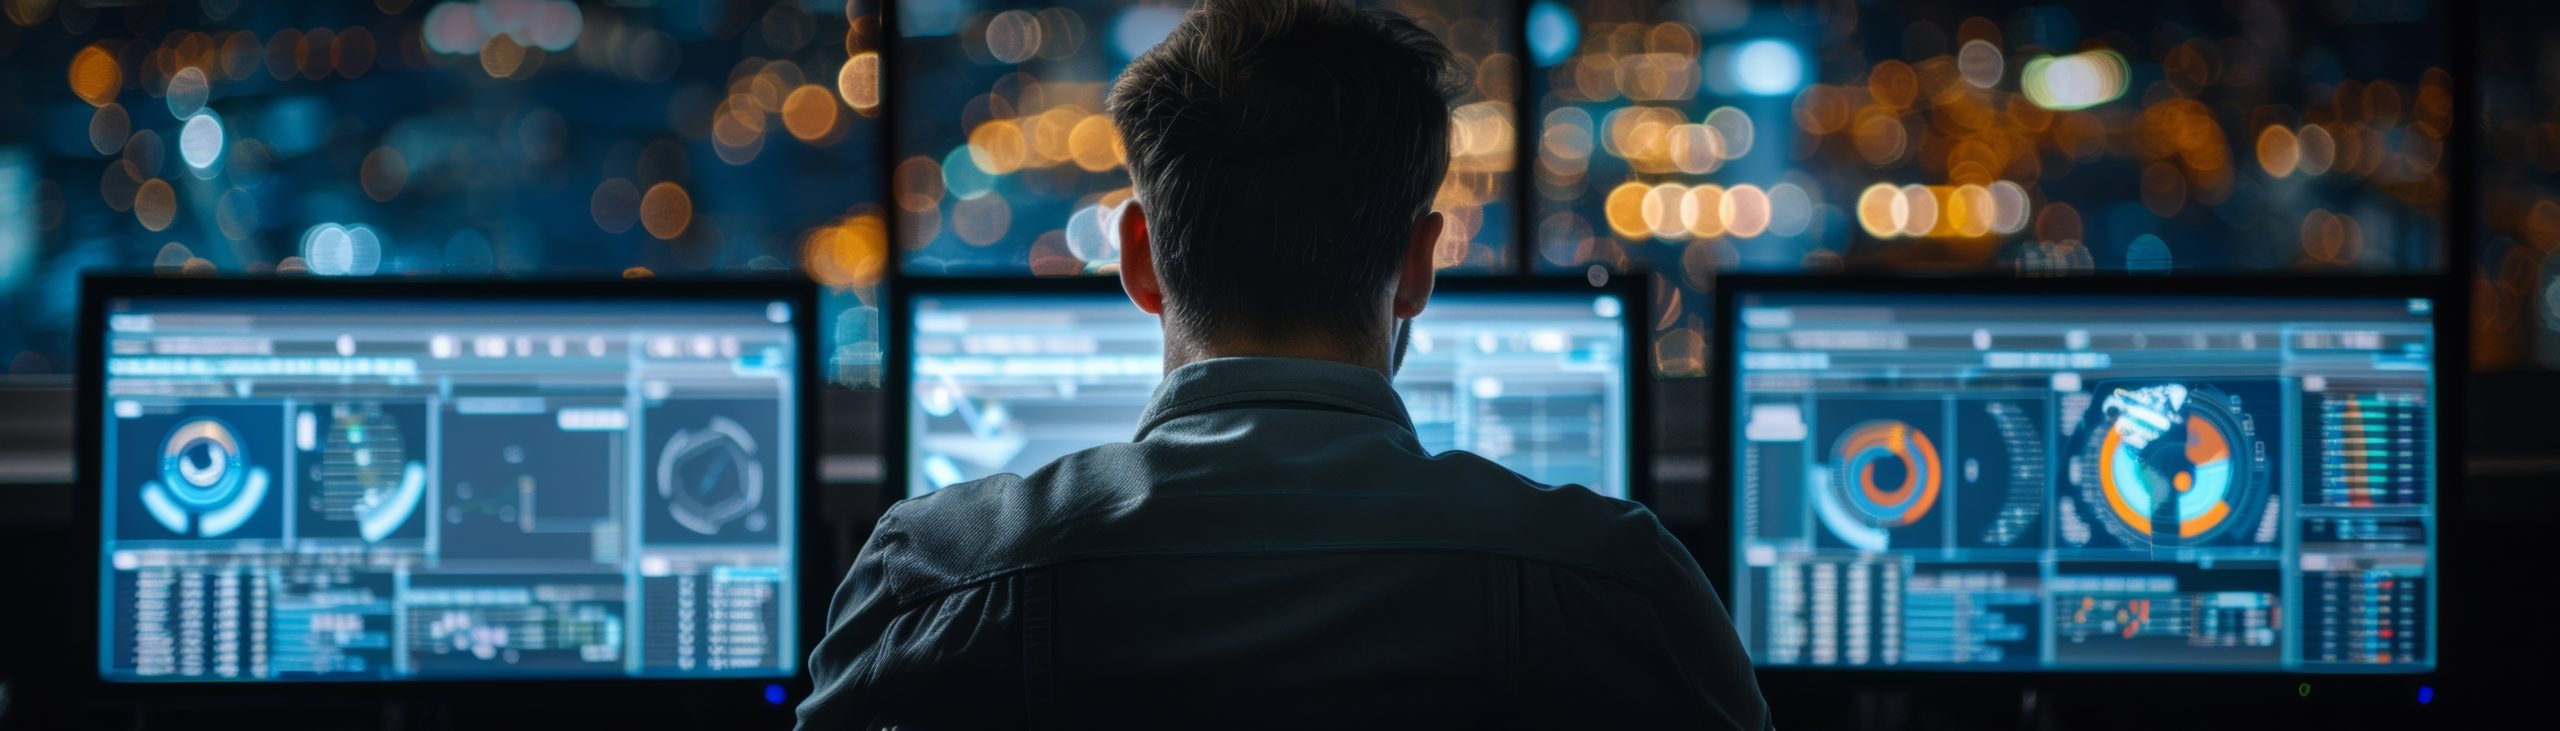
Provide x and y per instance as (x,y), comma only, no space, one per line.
(2148,254)
(200,142)
(1553,33)
(773,694)
(1768,68)
(962,176)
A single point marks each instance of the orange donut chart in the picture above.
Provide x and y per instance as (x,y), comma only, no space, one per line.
(2198,512)
(1871,443)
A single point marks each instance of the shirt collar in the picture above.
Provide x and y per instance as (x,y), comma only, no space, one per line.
(1217,383)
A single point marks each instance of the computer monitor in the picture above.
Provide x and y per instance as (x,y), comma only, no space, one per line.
(1003,376)
(392,482)
(2088,475)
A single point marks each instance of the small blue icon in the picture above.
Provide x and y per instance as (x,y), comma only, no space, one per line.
(773,694)
(2426,694)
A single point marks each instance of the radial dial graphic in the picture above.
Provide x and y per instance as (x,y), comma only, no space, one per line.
(1889,472)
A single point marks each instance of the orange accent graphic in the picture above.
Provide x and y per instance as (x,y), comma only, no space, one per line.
(1918,455)
(2135,613)
(2212,516)
(2140,521)
(2204,444)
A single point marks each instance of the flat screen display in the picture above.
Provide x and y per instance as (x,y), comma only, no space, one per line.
(1006,382)
(389,489)
(2089,482)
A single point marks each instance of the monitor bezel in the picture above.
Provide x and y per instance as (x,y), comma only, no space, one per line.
(899,326)
(2449,319)
(815,582)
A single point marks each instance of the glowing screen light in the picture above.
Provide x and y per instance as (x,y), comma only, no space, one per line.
(1871,448)
(210,476)
(1768,68)
(2077,81)
(972,413)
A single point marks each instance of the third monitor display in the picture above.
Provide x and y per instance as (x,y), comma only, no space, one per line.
(2089,482)
(1005,381)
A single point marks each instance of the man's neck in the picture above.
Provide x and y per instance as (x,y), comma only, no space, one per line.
(1182,351)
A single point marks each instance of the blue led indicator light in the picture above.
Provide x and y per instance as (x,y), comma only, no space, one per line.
(773,694)
(2426,694)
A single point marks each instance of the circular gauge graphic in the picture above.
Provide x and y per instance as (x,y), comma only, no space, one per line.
(365,473)
(710,476)
(2170,451)
(202,465)
(205,479)
(1888,474)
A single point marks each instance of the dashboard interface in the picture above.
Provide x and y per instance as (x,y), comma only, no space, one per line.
(383,489)
(2084,482)
(1006,382)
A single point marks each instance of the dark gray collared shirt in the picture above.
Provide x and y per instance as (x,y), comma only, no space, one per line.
(1276,549)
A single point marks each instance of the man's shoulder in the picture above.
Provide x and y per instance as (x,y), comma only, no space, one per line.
(1126,498)
(972,530)
(1571,523)
(1073,484)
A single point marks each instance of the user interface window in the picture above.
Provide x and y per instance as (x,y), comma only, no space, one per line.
(2121,483)
(1004,383)
(389,489)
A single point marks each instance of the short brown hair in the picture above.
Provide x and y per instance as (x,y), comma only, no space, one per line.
(1283,150)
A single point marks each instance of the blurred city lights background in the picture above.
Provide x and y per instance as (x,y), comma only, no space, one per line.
(1668,139)
(1689,137)
(678,138)
(2516,287)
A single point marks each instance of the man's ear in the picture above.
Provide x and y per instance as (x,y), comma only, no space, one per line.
(1413,275)
(1138,261)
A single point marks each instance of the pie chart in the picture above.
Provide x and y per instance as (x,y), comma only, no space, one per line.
(1889,474)
(2198,475)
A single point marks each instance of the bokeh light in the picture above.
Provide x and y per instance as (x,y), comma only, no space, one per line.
(187,92)
(155,205)
(809,112)
(2045,140)
(424,137)
(200,140)
(859,82)
(1553,32)
(666,210)
(1665,139)
(2077,81)
(1767,68)
(96,76)
(108,128)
